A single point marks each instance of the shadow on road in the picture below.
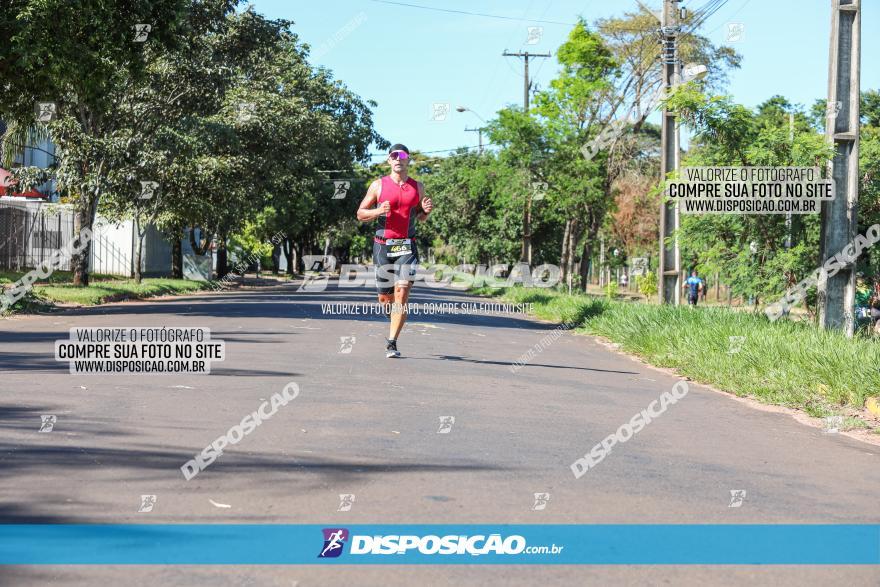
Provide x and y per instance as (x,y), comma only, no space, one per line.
(507,364)
(285,302)
(104,454)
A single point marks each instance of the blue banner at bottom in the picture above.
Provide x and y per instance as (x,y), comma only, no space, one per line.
(281,544)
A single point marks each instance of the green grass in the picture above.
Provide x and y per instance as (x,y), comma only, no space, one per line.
(783,363)
(9,277)
(99,292)
(57,288)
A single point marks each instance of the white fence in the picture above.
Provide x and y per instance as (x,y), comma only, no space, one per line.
(31,231)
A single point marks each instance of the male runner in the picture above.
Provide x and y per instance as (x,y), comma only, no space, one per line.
(695,285)
(401,200)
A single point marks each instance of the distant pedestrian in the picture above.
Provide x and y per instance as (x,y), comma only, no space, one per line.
(695,286)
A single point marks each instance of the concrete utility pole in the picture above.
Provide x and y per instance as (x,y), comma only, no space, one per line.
(526,251)
(526,83)
(839,216)
(477,130)
(670,257)
(788,224)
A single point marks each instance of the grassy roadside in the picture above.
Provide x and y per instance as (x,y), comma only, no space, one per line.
(785,363)
(9,277)
(119,289)
(57,288)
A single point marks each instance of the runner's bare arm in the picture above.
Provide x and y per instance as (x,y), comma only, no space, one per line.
(365,210)
(425,204)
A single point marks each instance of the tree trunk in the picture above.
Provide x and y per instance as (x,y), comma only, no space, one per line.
(585,263)
(526,252)
(588,249)
(276,259)
(192,240)
(79,260)
(82,220)
(287,244)
(222,258)
(563,256)
(176,256)
(574,238)
(138,255)
(198,249)
(299,250)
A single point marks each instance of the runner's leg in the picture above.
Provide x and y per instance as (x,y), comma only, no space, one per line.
(406,275)
(385,300)
(384,285)
(398,311)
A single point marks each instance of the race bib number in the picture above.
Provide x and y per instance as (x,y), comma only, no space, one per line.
(397,247)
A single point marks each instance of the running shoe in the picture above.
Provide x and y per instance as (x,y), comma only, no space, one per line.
(391,351)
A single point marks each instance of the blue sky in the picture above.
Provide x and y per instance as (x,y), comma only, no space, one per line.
(406,59)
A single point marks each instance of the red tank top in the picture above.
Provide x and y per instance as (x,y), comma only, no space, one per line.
(401,221)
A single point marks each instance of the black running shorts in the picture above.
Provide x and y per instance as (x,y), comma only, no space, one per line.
(394,262)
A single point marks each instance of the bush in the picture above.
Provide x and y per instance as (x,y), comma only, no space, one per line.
(647,284)
(611,290)
(27,303)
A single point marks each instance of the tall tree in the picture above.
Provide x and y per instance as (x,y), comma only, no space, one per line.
(54,55)
(748,251)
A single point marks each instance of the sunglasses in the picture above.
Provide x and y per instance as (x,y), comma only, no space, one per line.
(395,155)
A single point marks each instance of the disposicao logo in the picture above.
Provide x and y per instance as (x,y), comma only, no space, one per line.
(334,540)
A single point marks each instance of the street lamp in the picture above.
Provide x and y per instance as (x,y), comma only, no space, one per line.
(693,71)
(465,109)
(477,130)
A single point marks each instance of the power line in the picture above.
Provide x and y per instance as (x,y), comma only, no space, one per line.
(731,16)
(491,84)
(716,8)
(527,85)
(703,14)
(484,15)
(437,150)
(546,8)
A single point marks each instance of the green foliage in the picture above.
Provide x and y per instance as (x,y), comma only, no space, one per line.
(220,108)
(646,283)
(251,242)
(27,303)
(783,363)
(477,214)
(611,290)
(731,134)
(117,290)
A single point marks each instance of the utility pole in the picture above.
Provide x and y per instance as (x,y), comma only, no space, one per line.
(526,83)
(670,257)
(839,216)
(788,227)
(526,251)
(477,130)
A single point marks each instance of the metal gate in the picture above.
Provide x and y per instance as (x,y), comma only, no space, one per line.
(30,233)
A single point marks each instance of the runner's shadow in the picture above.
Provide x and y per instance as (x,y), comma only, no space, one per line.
(508,364)
(25,513)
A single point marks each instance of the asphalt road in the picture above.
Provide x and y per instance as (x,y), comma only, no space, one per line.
(368,426)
